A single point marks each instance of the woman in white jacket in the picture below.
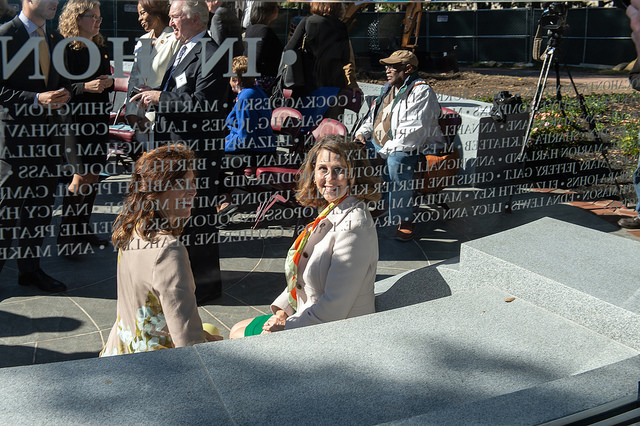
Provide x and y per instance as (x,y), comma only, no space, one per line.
(331,267)
(153,54)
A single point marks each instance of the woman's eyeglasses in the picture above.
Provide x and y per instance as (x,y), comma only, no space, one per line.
(94,17)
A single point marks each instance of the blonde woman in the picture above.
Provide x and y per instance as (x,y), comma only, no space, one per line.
(82,18)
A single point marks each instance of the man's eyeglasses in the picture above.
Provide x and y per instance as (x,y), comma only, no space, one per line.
(94,17)
(396,67)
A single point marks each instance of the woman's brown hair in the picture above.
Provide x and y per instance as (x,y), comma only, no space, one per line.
(239,66)
(363,183)
(324,8)
(153,173)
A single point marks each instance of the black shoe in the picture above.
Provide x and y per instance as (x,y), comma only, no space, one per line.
(630,222)
(41,280)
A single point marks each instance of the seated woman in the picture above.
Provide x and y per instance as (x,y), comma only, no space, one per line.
(331,268)
(156,306)
(249,124)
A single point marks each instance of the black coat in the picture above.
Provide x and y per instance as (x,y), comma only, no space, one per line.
(31,152)
(77,61)
(18,90)
(269,49)
(192,109)
(225,24)
(328,44)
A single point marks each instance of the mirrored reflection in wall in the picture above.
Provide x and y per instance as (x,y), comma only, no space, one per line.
(490,110)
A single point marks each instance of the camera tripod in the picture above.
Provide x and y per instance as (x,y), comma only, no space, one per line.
(551,60)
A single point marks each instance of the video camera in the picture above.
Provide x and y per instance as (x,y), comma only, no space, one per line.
(554,17)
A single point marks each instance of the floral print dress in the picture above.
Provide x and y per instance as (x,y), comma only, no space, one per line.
(156,306)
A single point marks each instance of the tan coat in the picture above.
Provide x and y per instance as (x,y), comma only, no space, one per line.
(337,269)
(156,306)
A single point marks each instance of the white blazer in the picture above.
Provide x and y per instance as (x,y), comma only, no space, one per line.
(151,73)
(337,269)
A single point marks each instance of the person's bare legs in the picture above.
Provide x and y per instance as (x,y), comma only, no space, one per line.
(237,330)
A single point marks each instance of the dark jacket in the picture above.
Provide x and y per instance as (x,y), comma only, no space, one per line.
(269,49)
(225,24)
(193,100)
(18,90)
(328,44)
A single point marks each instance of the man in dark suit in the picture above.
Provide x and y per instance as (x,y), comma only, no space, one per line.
(225,24)
(191,107)
(31,94)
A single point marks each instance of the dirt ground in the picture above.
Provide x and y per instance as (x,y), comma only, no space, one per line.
(481,82)
(486,82)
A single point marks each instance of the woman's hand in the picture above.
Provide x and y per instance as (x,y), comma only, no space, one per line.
(107,81)
(98,85)
(275,323)
(54,98)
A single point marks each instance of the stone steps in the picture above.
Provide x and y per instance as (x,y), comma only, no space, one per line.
(444,346)
(557,266)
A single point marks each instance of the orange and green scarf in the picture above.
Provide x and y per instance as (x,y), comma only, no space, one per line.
(293,256)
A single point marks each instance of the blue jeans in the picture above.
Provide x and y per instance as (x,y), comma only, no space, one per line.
(398,173)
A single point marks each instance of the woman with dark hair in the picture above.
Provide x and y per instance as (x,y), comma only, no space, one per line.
(269,48)
(87,156)
(332,62)
(157,47)
(156,306)
(331,267)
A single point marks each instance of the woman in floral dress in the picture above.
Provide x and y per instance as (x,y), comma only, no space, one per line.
(156,306)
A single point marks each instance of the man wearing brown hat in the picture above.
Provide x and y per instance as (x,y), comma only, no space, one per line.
(401,125)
